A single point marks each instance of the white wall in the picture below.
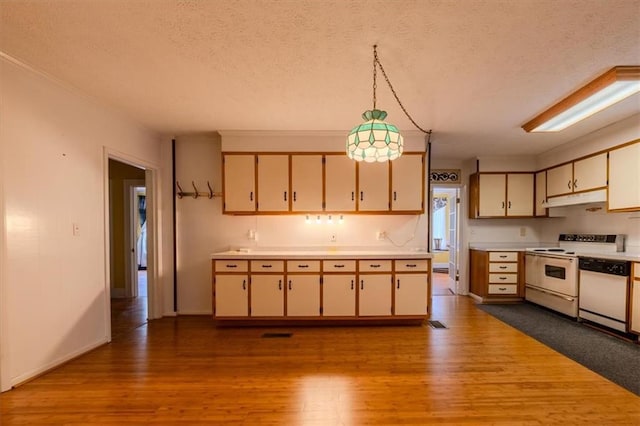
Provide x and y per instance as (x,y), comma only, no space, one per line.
(54,292)
(202,229)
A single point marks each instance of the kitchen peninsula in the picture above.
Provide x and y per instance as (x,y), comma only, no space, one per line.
(303,286)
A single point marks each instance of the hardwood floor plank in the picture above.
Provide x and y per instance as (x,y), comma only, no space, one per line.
(184,370)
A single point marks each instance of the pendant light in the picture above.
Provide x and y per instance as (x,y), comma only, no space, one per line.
(376,140)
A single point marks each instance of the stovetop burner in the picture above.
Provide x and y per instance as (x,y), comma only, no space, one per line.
(570,244)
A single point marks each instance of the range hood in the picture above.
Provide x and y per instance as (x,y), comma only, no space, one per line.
(598,196)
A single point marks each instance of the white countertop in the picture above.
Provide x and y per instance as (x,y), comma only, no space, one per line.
(330,253)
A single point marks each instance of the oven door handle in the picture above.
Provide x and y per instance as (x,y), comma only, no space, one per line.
(567,298)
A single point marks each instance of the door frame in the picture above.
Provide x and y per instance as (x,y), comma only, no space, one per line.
(154,289)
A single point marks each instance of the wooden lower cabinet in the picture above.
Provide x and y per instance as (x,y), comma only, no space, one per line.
(321,290)
(634,315)
(496,276)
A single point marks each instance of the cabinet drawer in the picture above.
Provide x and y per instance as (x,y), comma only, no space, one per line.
(339,265)
(421,265)
(503,256)
(503,289)
(374,265)
(503,267)
(267,266)
(232,265)
(636,269)
(503,278)
(303,266)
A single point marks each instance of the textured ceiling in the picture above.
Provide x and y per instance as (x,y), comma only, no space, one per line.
(473,71)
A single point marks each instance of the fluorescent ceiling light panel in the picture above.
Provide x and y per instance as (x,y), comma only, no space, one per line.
(611,87)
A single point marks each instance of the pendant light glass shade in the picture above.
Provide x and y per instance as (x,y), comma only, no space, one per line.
(374,140)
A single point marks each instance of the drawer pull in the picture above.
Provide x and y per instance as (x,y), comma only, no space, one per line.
(303,266)
(338,266)
(267,266)
(502,267)
(503,256)
(231,266)
(502,278)
(502,288)
(410,265)
(374,265)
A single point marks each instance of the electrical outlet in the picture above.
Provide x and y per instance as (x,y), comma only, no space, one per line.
(523,232)
(252,235)
(381,235)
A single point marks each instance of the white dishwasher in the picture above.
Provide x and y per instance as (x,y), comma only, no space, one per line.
(604,289)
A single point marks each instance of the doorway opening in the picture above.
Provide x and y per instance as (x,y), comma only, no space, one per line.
(444,243)
(128,247)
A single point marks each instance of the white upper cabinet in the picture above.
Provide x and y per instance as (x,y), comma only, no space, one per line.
(306,183)
(407,192)
(239,183)
(340,183)
(273,183)
(501,195)
(373,186)
(581,175)
(624,178)
(541,194)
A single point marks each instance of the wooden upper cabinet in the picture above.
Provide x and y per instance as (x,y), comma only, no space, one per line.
(582,175)
(520,194)
(239,183)
(273,183)
(306,183)
(340,183)
(373,187)
(407,192)
(492,195)
(624,179)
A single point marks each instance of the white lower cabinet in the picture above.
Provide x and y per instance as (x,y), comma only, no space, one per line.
(374,295)
(303,295)
(231,296)
(267,295)
(339,295)
(411,294)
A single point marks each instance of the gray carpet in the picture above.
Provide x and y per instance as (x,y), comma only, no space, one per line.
(609,356)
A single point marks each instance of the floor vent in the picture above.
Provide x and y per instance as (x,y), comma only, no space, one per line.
(436,324)
(272,335)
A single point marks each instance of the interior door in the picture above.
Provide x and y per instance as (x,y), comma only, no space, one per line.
(454,224)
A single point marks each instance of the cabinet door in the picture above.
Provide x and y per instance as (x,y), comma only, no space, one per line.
(340,183)
(407,183)
(231,296)
(306,183)
(267,295)
(492,194)
(339,295)
(624,178)
(373,186)
(303,295)
(374,295)
(541,194)
(411,293)
(560,180)
(634,315)
(590,173)
(273,183)
(239,183)
(520,194)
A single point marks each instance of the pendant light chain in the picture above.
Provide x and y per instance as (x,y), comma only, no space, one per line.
(376,61)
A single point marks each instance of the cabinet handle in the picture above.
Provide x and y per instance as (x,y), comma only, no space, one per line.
(502,267)
(361,196)
(398,286)
(569,184)
(394,196)
(353,195)
(295,196)
(503,256)
(244,284)
(410,265)
(502,278)
(502,288)
(303,266)
(289,284)
(351,284)
(231,266)
(502,205)
(285,195)
(338,266)
(575,183)
(251,196)
(374,265)
(267,266)
(509,204)
(361,284)
(279,284)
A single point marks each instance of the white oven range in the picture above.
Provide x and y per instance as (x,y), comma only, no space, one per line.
(551,273)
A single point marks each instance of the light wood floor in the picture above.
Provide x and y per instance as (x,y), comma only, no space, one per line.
(184,370)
